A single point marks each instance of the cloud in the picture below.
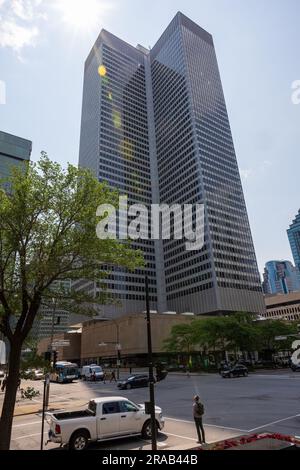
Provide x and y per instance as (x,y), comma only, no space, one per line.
(245,174)
(15,36)
(261,169)
(26,10)
(19,23)
(20,20)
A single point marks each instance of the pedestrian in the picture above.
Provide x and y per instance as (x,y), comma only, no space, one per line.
(94,376)
(113,376)
(3,384)
(104,377)
(19,383)
(198,412)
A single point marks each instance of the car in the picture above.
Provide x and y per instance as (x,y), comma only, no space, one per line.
(2,375)
(295,367)
(134,381)
(92,372)
(105,418)
(33,374)
(38,374)
(235,371)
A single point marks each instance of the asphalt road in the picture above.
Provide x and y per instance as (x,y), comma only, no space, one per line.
(264,401)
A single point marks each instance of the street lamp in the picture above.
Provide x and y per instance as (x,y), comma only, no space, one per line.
(150,363)
(118,349)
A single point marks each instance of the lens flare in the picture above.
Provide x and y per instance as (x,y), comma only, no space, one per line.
(117,120)
(102,70)
(127,149)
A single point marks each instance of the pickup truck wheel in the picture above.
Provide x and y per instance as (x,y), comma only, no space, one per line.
(79,441)
(146,431)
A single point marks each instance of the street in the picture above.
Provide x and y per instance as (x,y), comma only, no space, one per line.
(263,401)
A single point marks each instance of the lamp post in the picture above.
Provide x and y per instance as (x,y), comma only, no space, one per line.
(52,323)
(117,345)
(151,376)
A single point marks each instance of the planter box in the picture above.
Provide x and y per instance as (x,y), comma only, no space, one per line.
(266,441)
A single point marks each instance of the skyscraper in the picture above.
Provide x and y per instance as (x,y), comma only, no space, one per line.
(294,238)
(280,277)
(13,151)
(155,125)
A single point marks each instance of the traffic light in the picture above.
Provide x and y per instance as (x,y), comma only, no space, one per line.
(47,356)
(54,358)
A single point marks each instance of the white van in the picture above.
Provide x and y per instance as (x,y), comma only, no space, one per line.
(92,372)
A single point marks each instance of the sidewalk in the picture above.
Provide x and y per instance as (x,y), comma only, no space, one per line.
(28,408)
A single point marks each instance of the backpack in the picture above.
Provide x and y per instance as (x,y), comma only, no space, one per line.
(200,408)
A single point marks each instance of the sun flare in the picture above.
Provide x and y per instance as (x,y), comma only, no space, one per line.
(81,14)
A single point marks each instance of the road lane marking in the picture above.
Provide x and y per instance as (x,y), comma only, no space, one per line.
(205,424)
(27,424)
(28,435)
(286,377)
(181,437)
(274,422)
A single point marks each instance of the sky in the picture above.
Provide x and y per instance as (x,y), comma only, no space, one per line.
(44,43)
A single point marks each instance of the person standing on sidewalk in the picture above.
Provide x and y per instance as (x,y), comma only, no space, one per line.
(113,376)
(198,412)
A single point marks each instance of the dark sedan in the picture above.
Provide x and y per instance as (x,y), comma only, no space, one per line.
(236,371)
(134,381)
(295,367)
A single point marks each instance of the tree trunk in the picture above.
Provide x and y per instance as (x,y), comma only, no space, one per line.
(10,395)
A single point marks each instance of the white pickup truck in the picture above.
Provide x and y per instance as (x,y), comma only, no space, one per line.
(103,419)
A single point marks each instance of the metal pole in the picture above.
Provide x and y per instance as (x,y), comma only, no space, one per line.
(52,326)
(151,376)
(43,415)
(118,351)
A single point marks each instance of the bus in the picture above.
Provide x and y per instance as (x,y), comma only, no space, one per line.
(64,372)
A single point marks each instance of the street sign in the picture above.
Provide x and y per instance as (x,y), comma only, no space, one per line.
(2,352)
(61,343)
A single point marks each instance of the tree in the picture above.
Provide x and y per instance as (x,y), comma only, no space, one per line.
(269,329)
(181,339)
(241,332)
(48,233)
(210,333)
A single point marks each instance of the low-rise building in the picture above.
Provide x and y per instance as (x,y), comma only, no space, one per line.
(70,353)
(102,341)
(283,306)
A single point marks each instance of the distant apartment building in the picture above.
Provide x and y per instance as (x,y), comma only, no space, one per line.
(13,151)
(294,238)
(155,126)
(280,277)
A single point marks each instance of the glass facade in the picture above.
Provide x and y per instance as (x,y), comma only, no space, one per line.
(13,151)
(294,238)
(115,144)
(280,277)
(155,125)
